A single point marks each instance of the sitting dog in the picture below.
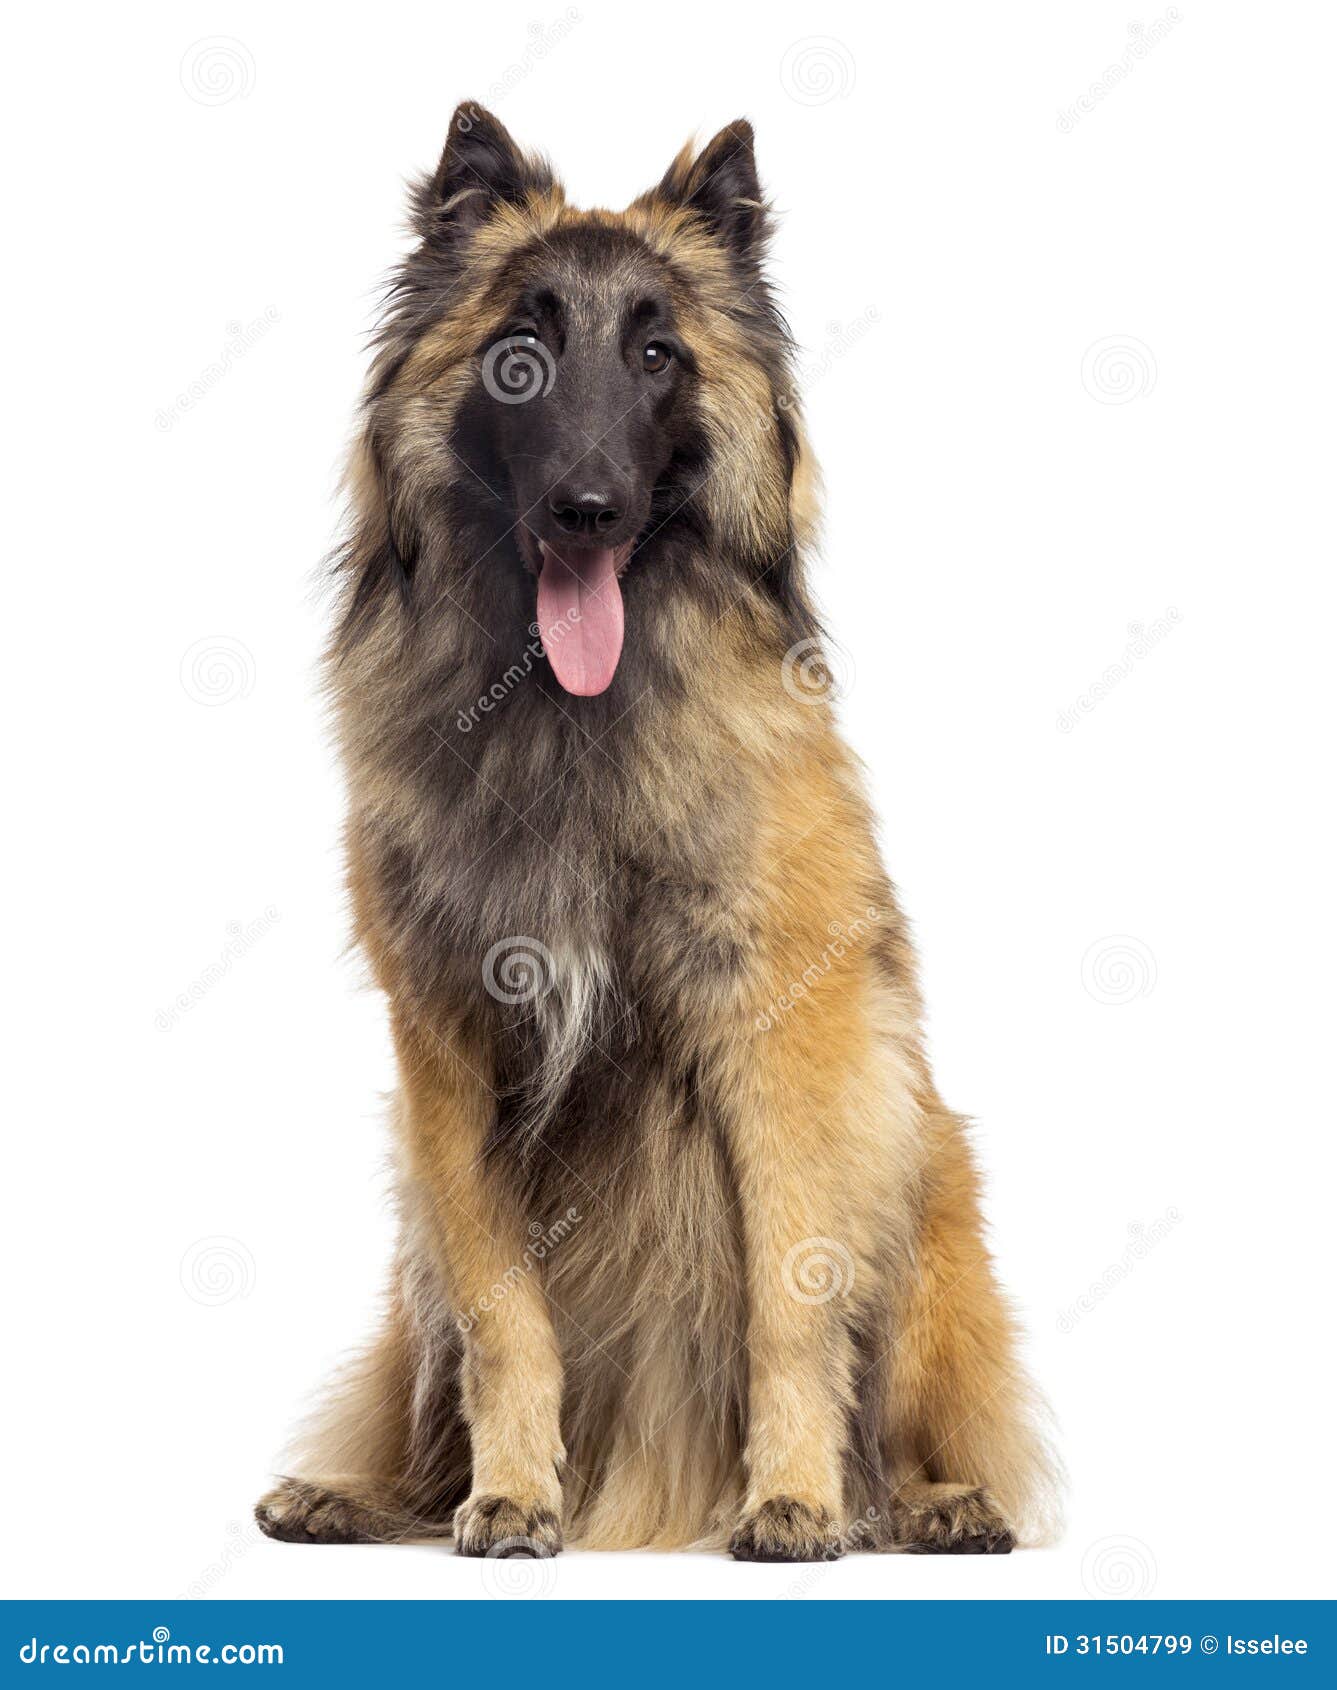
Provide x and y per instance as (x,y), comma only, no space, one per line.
(690,1248)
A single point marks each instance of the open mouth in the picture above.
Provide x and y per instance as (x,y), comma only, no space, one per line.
(580,618)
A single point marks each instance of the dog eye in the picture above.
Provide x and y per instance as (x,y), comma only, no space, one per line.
(656,357)
(522,331)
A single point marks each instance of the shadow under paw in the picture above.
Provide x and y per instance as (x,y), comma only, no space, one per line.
(783,1529)
(500,1527)
(296,1511)
(947,1519)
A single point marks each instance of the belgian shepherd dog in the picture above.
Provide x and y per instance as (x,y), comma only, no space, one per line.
(690,1249)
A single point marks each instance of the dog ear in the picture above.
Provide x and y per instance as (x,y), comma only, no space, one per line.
(480,166)
(721,185)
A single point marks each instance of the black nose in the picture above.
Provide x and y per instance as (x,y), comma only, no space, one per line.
(585,510)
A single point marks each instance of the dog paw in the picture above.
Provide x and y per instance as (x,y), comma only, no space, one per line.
(298,1512)
(945,1519)
(782,1529)
(498,1526)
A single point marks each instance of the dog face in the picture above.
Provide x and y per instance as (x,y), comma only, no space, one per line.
(585,401)
(606,375)
(569,402)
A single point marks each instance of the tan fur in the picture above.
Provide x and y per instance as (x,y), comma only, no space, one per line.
(674,1374)
(673,1307)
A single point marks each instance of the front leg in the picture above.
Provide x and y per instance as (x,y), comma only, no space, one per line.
(805,1175)
(800,1357)
(511,1377)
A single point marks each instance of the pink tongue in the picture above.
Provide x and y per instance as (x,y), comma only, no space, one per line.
(580,615)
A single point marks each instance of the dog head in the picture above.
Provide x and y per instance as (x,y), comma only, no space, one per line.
(572,410)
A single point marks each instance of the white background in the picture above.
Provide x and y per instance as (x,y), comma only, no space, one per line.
(1004,500)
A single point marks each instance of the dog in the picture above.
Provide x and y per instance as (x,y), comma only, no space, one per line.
(690,1249)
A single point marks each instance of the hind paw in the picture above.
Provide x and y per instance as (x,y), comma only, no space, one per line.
(945,1519)
(495,1525)
(298,1512)
(785,1530)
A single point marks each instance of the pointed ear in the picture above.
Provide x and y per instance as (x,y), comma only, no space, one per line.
(721,185)
(480,166)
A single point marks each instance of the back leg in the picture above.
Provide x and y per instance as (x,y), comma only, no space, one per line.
(947,1519)
(970,1468)
(386,1456)
(296,1511)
